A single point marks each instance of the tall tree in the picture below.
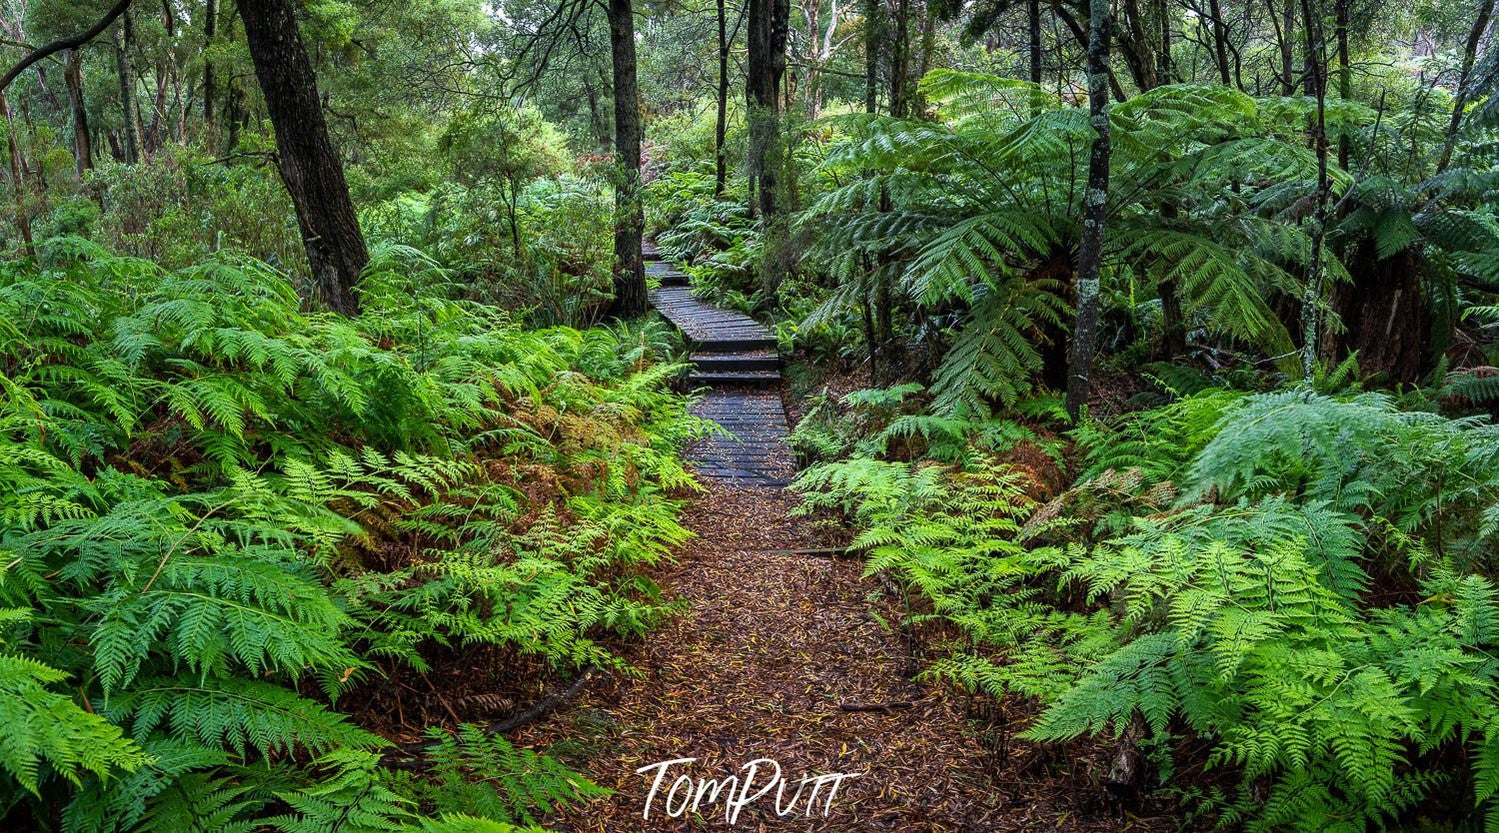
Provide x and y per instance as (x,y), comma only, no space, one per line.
(768,28)
(1095,210)
(83,153)
(629,218)
(1316,73)
(309,166)
(130,121)
(1464,81)
(721,124)
(210,25)
(1033,33)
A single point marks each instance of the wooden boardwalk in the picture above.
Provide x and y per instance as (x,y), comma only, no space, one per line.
(736,362)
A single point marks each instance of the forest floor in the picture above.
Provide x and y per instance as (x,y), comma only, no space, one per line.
(789,656)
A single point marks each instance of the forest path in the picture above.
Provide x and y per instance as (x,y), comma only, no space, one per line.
(783,651)
(735,362)
(781,654)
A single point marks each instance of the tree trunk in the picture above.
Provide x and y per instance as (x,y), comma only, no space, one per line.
(129,120)
(1033,21)
(1095,209)
(1138,49)
(721,126)
(629,219)
(17,178)
(900,60)
(210,23)
(768,28)
(83,151)
(310,167)
(1460,101)
(1345,73)
(871,56)
(1317,79)
(1288,48)
(1220,41)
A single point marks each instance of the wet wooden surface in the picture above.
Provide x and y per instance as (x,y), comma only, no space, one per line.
(737,371)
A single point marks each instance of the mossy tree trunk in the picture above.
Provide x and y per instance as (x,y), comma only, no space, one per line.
(629,217)
(1095,210)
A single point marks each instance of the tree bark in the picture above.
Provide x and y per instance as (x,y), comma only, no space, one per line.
(83,151)
(721,125)
(310,168)
(210,23)
(629,219)
(871,56)
(130,121)
(1287,32)
(1460,101)
(769,22)
(17,178)
(900,60)
(1220,41)
(1316,51)
(1345,73)
(1033,28)
(1095,210)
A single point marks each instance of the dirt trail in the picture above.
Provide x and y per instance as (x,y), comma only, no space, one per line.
(772,650)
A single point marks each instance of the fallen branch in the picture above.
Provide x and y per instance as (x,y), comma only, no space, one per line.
(70,42)
(824,552)
(876,707)
(394,757)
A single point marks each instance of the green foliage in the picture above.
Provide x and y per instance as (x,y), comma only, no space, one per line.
(201,487)
(479,774)
(1300,581)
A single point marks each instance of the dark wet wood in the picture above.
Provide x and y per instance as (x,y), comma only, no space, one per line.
(738,369)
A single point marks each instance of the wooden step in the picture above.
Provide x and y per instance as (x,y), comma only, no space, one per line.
(741,360)
(730,378)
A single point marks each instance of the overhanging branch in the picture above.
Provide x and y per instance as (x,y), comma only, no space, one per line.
(70,42)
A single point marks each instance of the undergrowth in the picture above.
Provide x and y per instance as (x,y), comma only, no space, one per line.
(1301,581)
(220,513)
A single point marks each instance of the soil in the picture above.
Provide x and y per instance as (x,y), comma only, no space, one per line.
(786,652)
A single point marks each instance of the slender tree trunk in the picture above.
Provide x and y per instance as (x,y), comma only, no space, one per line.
(1033,21)
(1460,101)
(1095,210)
(1220,41)
(629,218)
(1345,73)
(872,55)
(310,168)
(83,151)
(210,23)
(900,60)
(1163,17)
(17,178)
(1317,78)
(129,112)
(1288,48)
(721,126)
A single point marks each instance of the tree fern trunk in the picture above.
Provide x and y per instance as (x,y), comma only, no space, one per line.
(1095,210)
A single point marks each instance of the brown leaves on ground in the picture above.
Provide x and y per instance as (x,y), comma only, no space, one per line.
(774,648)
